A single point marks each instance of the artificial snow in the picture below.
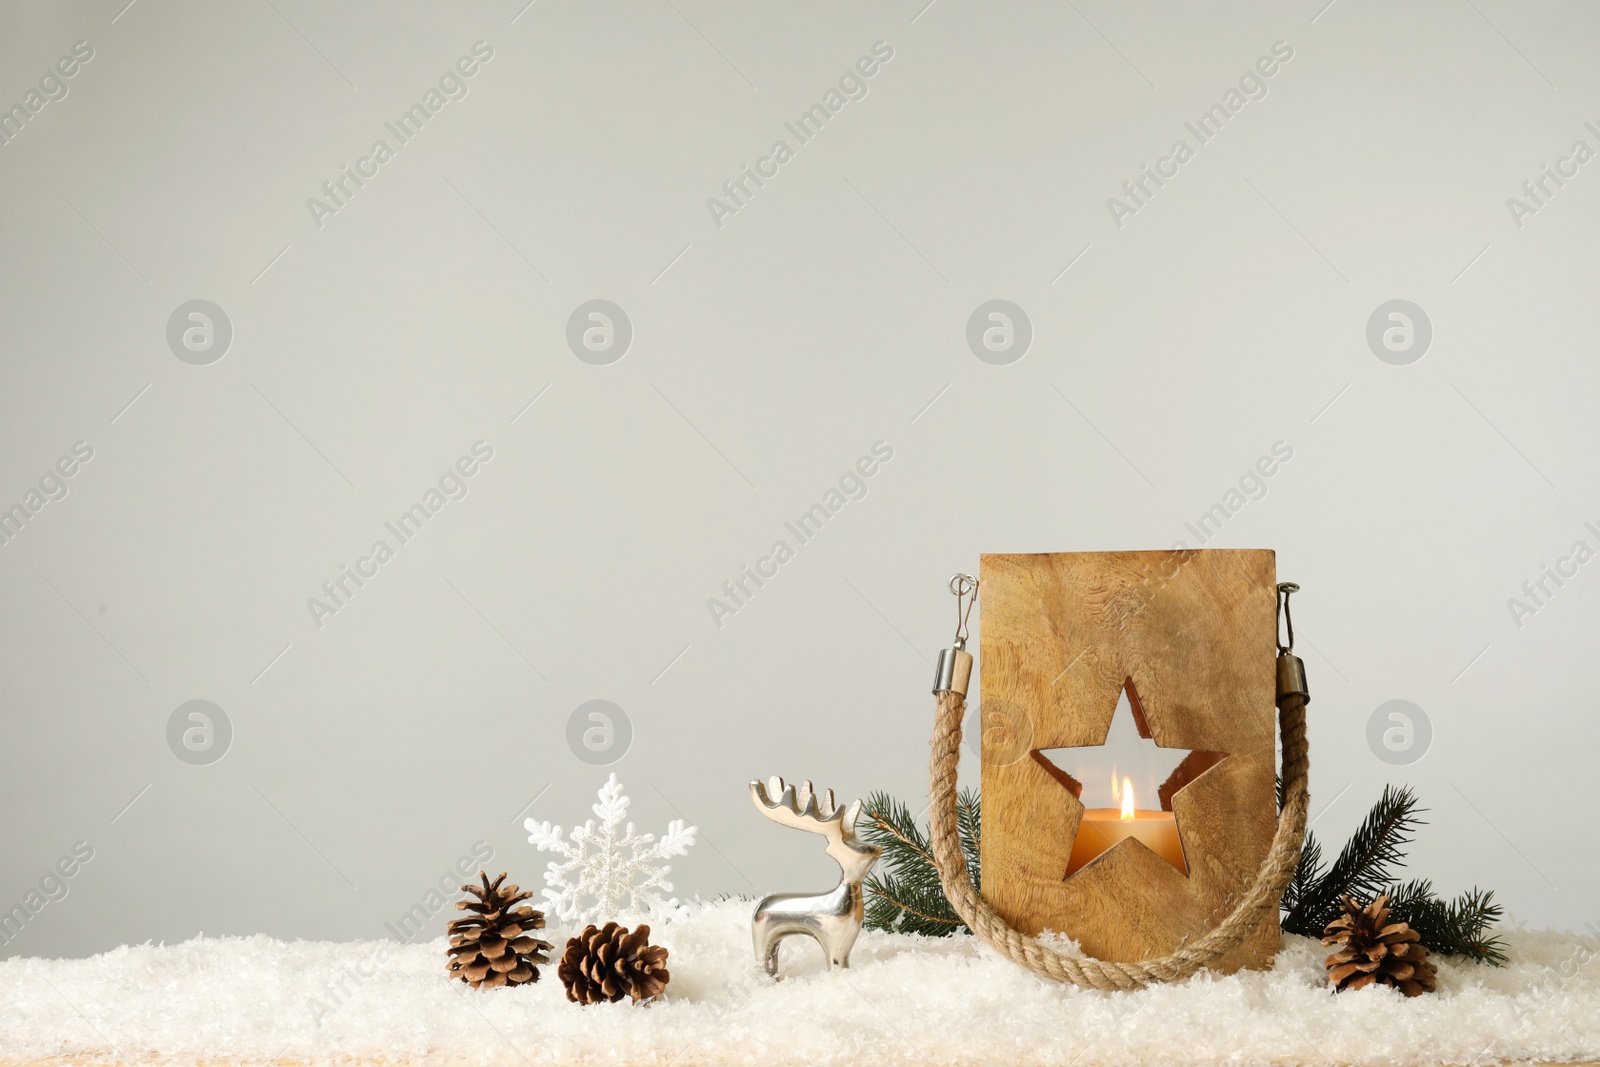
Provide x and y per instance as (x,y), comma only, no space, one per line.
(906,999)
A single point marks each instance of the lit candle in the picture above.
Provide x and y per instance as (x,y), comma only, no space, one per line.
(1102,828)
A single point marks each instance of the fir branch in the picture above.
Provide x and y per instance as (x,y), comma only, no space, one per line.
(893,818)
(1458,927)
(1377,845)
(1363,870)
(1363,867)
(904,890)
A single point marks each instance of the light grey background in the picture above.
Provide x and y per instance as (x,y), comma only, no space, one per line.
(768,354)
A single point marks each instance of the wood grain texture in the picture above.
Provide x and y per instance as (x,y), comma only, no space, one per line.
(1194,631)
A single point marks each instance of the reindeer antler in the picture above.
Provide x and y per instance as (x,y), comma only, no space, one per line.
(802,809)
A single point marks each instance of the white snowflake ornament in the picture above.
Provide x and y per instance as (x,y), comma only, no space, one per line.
(604,873)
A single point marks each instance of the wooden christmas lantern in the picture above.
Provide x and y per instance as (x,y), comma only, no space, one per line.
(1188,636)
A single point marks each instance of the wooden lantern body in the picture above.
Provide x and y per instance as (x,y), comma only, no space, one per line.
(1192,635)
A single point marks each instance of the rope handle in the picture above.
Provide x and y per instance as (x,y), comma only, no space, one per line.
(1259,900)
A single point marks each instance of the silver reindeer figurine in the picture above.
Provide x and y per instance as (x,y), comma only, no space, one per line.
(834,917)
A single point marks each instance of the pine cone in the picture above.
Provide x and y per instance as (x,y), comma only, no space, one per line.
(492,947)
(1372,949)
(609,963)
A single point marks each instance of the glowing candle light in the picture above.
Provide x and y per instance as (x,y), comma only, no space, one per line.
(1103,828)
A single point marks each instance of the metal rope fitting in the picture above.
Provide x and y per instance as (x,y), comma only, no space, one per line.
(1291,671)
(953,672)
(1292,677)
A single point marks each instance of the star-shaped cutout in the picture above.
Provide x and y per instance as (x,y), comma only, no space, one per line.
(1127,758)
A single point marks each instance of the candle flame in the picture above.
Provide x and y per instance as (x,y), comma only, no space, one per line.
(1127,798)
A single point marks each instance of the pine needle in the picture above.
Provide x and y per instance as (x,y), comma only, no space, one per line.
(903,892)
